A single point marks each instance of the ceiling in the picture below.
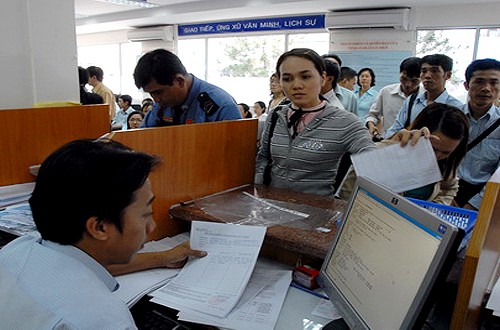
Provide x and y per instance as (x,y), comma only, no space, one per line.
(97,16)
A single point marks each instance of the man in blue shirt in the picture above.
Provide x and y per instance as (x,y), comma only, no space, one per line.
(92,207)
(434,72)
(181,97)
(482,81)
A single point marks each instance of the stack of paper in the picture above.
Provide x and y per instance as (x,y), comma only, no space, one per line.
(14,194)
(217,289)
(17,219)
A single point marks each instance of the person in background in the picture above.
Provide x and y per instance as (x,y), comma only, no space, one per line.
(448,130)
(390,99)
(96,76)
(434,72)
(482,81)
(277,95)
(92,207)
(309,136)
(134,120)
(120,120)
(260,113)
(328,89)
(244,110)
(345,96)
(147,100)
(259,108)
(366,92)
(86,97)
(348,78)
(146,107)
(182,98)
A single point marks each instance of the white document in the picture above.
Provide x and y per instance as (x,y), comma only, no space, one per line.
(326,309)
(17,219)
(399,168)
(134,286)
(260,312)
(17,193)
(214,284)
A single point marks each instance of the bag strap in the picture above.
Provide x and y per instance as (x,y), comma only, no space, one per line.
(484,134)
(410,106)
(274,119)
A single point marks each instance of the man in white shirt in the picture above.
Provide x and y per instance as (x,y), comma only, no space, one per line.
(348,99)
(120,120)
(328,89)
(391,97)
(92,207)
(434,72)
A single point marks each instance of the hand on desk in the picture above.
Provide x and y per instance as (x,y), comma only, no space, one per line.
(173,258)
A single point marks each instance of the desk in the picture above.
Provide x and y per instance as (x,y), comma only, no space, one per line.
(284,241)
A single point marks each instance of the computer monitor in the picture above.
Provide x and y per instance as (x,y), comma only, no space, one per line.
(384,259)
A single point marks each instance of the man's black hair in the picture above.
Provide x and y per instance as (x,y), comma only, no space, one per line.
(411,66)
(85,179)
(441,60)
(159,64)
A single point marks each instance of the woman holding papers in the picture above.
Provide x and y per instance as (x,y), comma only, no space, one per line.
(306,139)
(449,133)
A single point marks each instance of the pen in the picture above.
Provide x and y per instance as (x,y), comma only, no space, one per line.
(314,293)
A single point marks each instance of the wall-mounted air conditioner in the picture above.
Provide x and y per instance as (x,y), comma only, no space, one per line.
(164,33)
(393,18)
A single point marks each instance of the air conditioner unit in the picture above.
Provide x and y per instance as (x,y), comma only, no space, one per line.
(165,33)
(394,18)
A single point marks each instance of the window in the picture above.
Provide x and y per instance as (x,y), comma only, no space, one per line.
(489,39)
(242,65)
(118,63)
(457,44)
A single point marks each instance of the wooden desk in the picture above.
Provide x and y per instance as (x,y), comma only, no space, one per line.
(285,242)
(480,260)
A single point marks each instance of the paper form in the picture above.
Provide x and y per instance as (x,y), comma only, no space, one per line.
(214,284)
(261,312)
(399,168)
(326,309)
(17,219)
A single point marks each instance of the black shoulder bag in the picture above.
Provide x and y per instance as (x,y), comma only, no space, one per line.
(410,105)
(267,170)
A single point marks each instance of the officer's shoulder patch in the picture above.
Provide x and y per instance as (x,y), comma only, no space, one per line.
(207,104)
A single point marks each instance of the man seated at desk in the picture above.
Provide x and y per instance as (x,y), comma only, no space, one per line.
(92,206)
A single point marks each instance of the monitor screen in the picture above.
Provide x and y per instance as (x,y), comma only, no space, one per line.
(384,259)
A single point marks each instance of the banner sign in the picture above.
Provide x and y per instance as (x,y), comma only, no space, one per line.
(255,25)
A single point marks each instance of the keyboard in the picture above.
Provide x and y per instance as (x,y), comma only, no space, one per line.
(155,320)
(151,316)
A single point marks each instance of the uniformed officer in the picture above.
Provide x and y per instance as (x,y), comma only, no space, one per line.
(180,97)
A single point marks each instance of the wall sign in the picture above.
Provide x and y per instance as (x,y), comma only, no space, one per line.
(255,25)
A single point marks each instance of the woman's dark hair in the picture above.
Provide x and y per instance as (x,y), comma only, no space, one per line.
(140,113)
(84,179)
(453,123)
(371,74)
(262,105)
(304,53)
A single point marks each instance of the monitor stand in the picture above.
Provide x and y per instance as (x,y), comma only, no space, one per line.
(338,324)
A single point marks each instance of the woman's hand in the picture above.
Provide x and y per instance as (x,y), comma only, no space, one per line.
(404,136)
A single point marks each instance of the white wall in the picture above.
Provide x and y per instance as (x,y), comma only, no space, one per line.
(480,15)
(38,55)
